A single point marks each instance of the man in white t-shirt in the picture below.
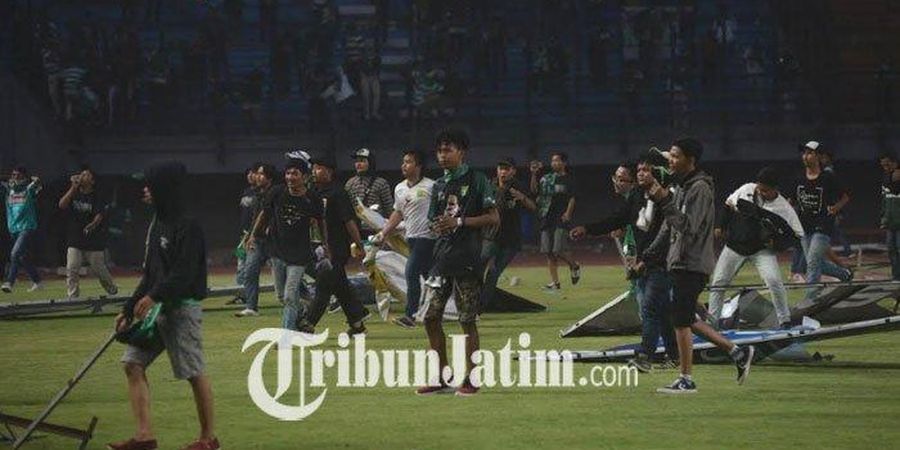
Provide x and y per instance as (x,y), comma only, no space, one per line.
(745,242)
(412,199)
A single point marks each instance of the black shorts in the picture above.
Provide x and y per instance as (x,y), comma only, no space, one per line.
(686,289)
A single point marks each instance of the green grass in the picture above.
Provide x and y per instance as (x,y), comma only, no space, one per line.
(850,402)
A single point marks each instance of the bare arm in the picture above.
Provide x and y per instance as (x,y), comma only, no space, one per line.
(94,223)
(66,199)
(353,231)
(391,225)
(570,210)
(840,204)
(526,202)
(491,217)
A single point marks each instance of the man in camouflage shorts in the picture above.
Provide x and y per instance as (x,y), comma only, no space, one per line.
(462,203)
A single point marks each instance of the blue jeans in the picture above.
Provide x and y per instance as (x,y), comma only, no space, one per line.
(18,256)
(240,275)
(816,247)
(417,265)
(653,291)
(893,245)
(256,258)
(798,261)
(289,282)
(501,256)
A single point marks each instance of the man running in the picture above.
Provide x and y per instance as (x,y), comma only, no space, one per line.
(556,202)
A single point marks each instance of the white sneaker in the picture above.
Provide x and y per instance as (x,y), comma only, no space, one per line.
(798,278)
(36,287)
(247,312)
(6,287)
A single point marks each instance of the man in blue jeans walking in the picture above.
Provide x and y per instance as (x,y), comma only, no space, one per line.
(652,284)
(412,198)
(20,194)
(818,198)
(288,212)
(261,251)
(505,241)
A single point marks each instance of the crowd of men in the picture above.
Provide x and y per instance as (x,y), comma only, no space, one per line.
(463,229)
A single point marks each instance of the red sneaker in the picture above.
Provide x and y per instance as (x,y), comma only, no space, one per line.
(203,444)
(132,444)
(466,390)
(432,390)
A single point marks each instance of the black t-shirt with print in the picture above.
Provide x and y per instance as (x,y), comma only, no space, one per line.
(338,211)
(290,218)
(563,191)
(460,193)
(82,210)
(812,199)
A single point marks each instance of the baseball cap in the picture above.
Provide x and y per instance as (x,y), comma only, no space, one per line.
(362,153)
(811,145)
(507,161)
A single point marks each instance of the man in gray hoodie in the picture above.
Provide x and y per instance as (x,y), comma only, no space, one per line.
(689,220)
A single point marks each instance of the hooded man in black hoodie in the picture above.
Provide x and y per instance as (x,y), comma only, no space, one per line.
(173,284)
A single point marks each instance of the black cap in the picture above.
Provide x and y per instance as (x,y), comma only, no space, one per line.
(507,161)
(326,160)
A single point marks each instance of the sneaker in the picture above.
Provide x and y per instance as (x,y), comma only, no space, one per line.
(432,390)
(203,444)
(466,390)
(353,331)
(333,306)
(246,312)
(576,273)
(667,364)
(641,362)
(132,444)
(680,386)
(404,322)
(113,290)
(552,287)
(36,287)
(743,363)
(798,278)
(6,287)
(237,300)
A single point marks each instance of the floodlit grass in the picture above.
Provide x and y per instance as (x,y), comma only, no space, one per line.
(850,402)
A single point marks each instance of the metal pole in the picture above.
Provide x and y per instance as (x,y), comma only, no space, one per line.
(65,391)
(824,284)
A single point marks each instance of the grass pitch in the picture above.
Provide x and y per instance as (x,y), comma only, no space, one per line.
(851,402)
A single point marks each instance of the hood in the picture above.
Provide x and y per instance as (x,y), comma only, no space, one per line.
(696,176)
(166,183)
